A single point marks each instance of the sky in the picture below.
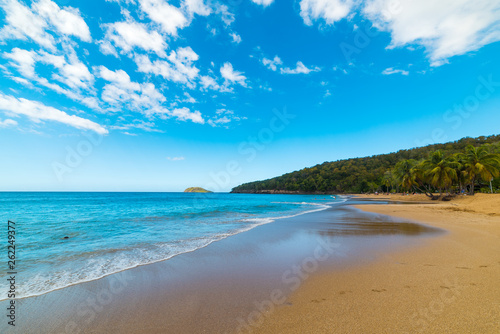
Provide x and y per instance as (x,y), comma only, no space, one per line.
(155,95)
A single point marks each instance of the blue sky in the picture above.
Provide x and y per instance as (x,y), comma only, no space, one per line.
(155,95)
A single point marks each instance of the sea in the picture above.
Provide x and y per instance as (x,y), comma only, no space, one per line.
(66,238)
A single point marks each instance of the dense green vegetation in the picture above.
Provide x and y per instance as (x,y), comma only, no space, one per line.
(466,165)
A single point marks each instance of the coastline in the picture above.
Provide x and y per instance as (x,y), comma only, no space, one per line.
(218,288)
(447,285)
(359,272)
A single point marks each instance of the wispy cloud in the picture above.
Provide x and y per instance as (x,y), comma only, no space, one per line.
(272,64)
(35,22)
(236,38)
(178,67)
(264,3)
(223,117)
(390,70)
(328,10)
(37,112)
(446,28)
(299,69)
(232,76)
(129,35)
(170,18)
(74,74)
(7,122)
(175,158)
(122,93)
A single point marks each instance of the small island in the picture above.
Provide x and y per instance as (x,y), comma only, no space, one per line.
(196,190)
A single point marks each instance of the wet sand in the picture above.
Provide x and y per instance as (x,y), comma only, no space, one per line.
(235,285)
(450,284)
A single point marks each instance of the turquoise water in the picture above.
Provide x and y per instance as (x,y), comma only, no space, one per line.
(111,232)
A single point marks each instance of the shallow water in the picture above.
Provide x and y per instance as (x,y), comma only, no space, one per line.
(67,238)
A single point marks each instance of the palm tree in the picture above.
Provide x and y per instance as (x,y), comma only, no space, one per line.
(480,164)
(440,170)
(403,172)
(421,179)
(459,162)
(388,180)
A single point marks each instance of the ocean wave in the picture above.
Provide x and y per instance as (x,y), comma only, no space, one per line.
(95,265)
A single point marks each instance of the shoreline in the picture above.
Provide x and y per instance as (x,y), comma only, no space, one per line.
(213,288)
(265,220)
(350,259)
(448,284)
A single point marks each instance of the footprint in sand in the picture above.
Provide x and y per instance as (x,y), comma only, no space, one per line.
(382,290)
(483,266)
(318,301)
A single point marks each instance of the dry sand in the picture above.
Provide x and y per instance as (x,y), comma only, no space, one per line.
(450,284)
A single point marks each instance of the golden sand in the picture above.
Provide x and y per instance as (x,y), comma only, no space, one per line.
(448,284)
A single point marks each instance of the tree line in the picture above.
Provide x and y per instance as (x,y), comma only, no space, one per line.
(467,165)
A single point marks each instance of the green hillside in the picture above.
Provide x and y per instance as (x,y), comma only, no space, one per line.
(383,173)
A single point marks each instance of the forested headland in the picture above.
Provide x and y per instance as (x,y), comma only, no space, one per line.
(467,165)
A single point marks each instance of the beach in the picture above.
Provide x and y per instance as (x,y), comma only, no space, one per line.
(450,284)
(340,270)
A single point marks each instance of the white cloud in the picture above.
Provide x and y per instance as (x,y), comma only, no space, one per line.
(128,35)
(170,18)
(74,74)
(121,1)
(137,124)
(264,3)
(266,87)
(232,76)
(124,94)
(68,21)
(224,117)
(226,16)
(178,67)
(107,48)
(219,121)
(272,63)
(184,114)
(22,23)
(38,112)
(391,70)
(445,28)
(328,10)
(175,158)
(299,69)
(23,60)
(188,98)
(236,38)
(196,7)
(119,77)
(276,63)
(7,122)
(209,82)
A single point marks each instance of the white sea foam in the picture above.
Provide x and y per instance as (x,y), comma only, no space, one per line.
(100,265)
